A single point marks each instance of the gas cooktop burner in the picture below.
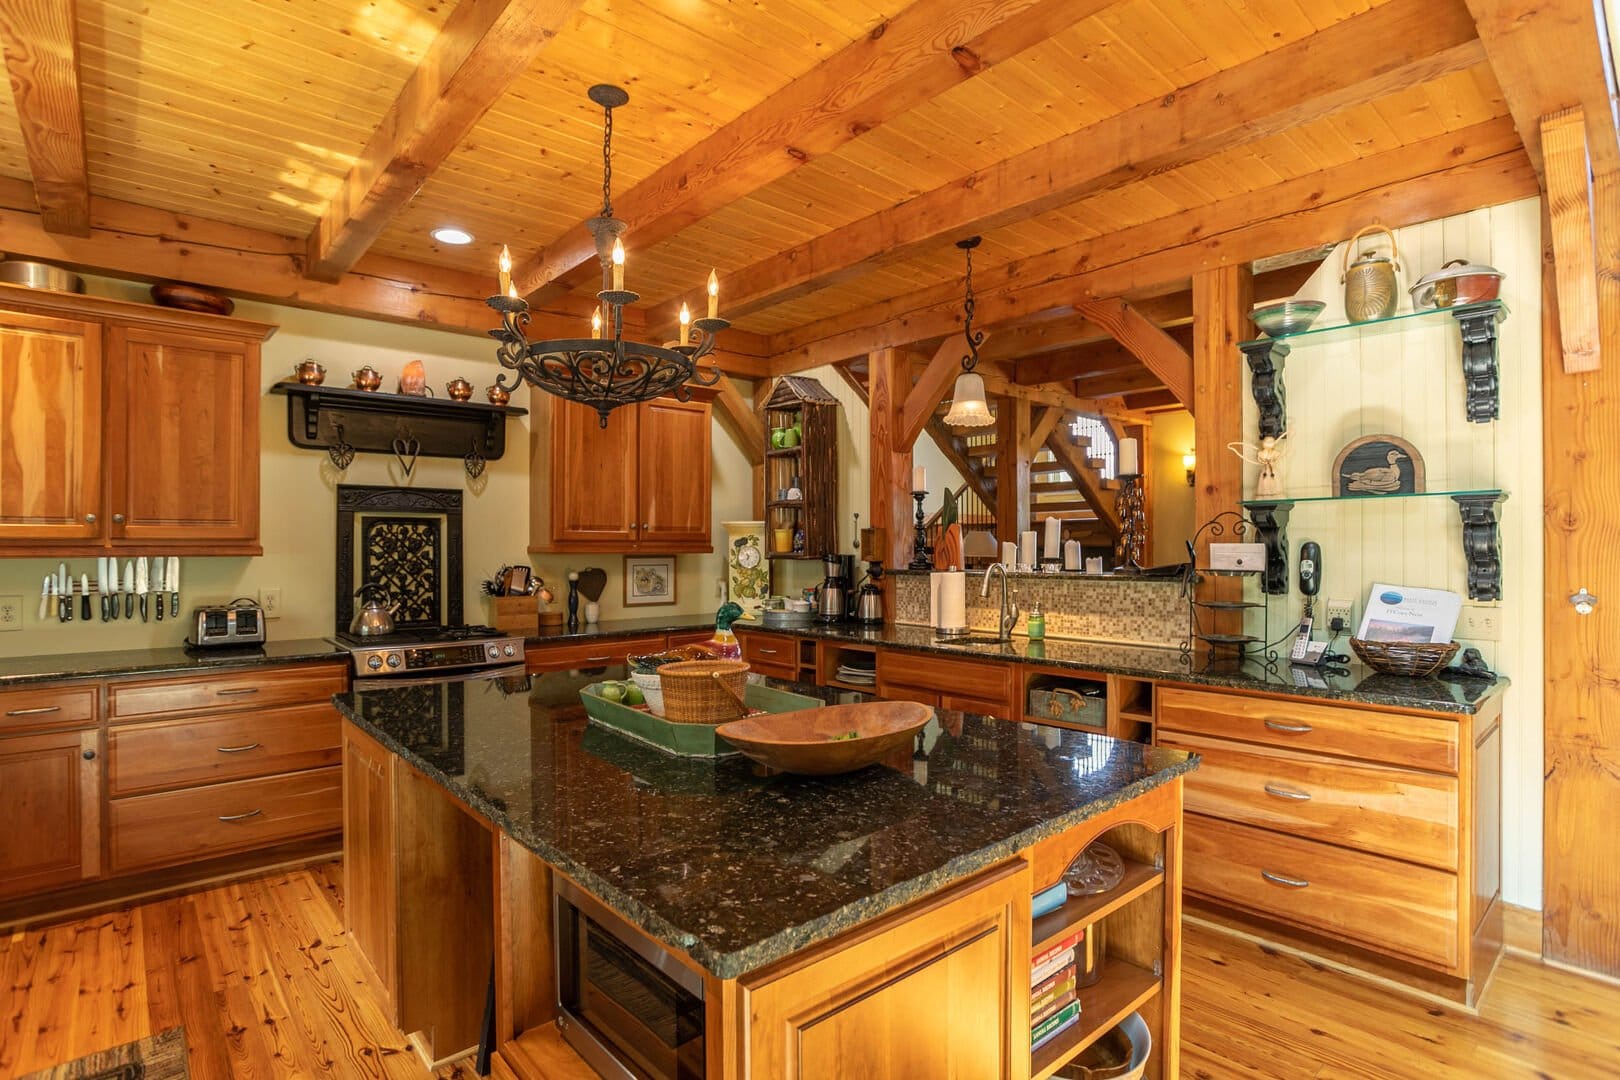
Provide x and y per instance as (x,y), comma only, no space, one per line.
(432,650)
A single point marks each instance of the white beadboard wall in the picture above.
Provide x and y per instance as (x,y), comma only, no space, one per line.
(1406,379)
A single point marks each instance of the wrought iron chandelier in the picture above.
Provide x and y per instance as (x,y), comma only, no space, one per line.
(968,407)
(604,370)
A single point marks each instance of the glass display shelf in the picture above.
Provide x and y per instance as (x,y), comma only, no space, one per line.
(1297,500)
(1401,320)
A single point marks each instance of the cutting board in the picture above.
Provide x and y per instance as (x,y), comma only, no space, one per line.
(948,552)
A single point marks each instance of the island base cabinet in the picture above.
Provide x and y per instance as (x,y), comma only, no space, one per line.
(930,992)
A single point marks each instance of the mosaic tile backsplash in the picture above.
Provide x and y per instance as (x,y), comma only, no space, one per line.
(1127,610)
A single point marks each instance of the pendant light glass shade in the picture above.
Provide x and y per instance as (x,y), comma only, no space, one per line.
(968,407)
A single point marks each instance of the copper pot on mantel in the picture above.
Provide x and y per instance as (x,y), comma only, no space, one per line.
(310,373)
(498,395)
(459,390)
(367,378)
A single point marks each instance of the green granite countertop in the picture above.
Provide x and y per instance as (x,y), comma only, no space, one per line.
(735,867)
(1348,682)
(176,660)
(615,628)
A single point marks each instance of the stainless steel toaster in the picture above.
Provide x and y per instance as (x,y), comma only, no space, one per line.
(240,622)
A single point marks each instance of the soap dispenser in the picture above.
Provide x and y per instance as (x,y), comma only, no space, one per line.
(1035,624)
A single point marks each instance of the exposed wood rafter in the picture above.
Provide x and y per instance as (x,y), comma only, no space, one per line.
(926,49)
(484,47)
(42,58)
(1159,352)
(736,414)
(930,388)
(1567,168)
(1041,426)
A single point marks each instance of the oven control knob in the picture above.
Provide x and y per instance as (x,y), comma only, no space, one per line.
(374,662)
(494,652)
(507,650)
(393,660)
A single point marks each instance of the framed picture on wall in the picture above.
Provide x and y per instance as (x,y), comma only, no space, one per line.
(649,580)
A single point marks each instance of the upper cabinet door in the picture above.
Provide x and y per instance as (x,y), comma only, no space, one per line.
(675,468)
(183,447)
(50,429)
(593,478)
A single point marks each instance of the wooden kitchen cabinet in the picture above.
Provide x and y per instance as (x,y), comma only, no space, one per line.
(989,687)
(640,484)
(126,425)
(50,802)
(368,852)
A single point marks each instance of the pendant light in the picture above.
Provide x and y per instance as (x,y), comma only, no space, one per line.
(968,407)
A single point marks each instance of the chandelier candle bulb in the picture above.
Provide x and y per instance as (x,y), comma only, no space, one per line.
(714,295)
(919,479)
(506,272)
(686,325)
(618,265)
(596,322)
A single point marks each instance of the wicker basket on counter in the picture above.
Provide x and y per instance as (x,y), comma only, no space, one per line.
(704,691)
(1404,657)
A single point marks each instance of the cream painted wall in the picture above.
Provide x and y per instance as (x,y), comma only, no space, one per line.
(1408,382)
(298,501)
(1171,525)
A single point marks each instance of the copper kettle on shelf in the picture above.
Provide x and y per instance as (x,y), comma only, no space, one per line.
(1369,283)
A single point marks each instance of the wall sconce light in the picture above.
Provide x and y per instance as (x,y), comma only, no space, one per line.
(1189,461)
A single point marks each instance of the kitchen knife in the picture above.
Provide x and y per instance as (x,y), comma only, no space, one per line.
(129,588)
(84,601)
(157,585)
(44,597)
(101,585)
(112,589)
(64,594)
(142,583)
(174,586)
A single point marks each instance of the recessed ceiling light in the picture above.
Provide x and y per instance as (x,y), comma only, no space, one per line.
(447,235)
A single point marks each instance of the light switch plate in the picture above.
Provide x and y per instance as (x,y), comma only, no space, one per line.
(11,613)
(1479,623)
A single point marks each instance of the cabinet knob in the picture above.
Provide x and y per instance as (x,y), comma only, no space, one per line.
(89,755)
(118,519)
(89,519)
(646,525)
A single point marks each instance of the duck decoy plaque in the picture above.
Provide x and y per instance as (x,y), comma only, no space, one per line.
(1378,465)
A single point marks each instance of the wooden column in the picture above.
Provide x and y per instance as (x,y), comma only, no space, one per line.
(1221,303)
(1581,455)
(888,381)
(1012,468)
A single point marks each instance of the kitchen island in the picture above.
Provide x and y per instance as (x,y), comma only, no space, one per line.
(874,924)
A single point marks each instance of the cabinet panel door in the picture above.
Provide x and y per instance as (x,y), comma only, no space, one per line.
(50,429)
(183,447)
(50,799)
(593,476)
(674,487)
(368,853)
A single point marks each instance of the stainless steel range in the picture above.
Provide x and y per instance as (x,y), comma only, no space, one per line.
(431,651)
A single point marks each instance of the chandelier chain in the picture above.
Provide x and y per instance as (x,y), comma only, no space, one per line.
(607,161)
(971,360)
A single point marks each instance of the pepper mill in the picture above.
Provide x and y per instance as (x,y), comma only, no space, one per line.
(573,600)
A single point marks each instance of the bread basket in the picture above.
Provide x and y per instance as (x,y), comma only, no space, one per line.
(1405,657)
(704,691)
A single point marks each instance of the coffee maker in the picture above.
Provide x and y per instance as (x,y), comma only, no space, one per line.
(869,597)
(833,596)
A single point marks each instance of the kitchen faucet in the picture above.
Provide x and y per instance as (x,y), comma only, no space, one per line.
(1009,610)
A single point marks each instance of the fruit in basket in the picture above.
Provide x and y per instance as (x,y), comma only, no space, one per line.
(611,691)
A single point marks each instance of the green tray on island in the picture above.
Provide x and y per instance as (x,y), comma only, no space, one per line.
(684,740)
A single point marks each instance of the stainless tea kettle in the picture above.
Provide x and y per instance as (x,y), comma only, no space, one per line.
(375,616)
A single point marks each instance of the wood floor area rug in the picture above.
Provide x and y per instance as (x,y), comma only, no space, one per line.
(160,1057)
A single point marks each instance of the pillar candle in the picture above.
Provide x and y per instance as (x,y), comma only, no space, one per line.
(919,479)
(1071,555)
(1009,554)
(1026,548)
(1129,465)
(1053,548)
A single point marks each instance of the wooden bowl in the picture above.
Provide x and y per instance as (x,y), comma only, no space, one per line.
(802,742)
(177,294)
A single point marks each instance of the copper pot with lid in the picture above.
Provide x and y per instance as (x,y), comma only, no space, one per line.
(1457,282)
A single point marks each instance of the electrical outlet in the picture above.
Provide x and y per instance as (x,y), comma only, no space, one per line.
(1479,623)
(1339,609)
(719,588)
(11,613)
(270,600)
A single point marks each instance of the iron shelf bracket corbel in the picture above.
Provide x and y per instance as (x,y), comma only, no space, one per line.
(1477,324)
(1266,358)
(1481,546)
(1270,521)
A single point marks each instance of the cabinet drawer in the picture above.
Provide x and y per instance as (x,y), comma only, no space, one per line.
(199,823)
(1387,906)
(253,689)
(770,650)
(1398,812)
(942,675)
(590,654)
(177,753)
(1422,742)
(47,707)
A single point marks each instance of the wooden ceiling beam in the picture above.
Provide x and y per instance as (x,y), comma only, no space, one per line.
(1041,427)
(1159,352)
(1483,165)
(1104,356)
(924,50)
(1118,383)
(1361,59)
(1548,56)
(929,390)
(483,48)
(1153,401)
(1567,169)
(40,38)
(1062,395)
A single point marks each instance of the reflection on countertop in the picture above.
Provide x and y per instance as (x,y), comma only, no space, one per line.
(175,660)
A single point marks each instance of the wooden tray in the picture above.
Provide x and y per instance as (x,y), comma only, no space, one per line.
(683,740)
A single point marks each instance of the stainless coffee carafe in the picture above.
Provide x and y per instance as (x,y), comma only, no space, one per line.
(832,597)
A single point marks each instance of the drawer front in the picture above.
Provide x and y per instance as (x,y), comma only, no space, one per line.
(591,654)
(962,678)
(997,709)
(48,707)
(1402,813)
(1421,742)
(770,651)
(255,689)
(198,823)
(1387,906)
(181,753)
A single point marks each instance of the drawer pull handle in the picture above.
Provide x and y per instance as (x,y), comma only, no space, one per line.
(238,749)
(597,659)
(240,817)
(1288,793)
(238,692)
(34,712)
(1291,729)
(1278,879)
(767,652)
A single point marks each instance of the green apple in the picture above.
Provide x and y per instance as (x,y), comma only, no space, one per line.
(633,695)
(611,691)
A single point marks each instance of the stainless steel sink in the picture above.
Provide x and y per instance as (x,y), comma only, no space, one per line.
(971,641)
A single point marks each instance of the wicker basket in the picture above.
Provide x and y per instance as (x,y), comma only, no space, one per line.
(704,691)
(1404,657)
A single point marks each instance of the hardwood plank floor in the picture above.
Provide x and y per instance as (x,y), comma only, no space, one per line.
(268,986)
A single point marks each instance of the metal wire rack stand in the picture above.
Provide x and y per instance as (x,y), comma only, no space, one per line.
(1203,641)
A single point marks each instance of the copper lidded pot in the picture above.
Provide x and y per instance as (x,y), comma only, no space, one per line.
(367,378)
(459,389)
(498,395)
(310,373)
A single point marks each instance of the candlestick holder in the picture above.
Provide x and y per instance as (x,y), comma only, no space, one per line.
(922,555)
(1132,522)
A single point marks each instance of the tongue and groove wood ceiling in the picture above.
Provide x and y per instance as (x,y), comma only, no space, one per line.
(824,155)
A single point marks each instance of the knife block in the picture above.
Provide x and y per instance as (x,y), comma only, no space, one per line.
(514,614)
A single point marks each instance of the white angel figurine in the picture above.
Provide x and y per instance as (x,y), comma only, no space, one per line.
(1266,455)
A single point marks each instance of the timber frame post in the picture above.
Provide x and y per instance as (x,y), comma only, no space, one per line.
(1012,468)
(1221,303)
(889,501)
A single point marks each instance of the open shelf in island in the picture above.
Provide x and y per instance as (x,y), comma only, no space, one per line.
(1080,911)
(1123,989)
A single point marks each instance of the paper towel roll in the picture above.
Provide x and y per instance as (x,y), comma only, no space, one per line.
(1026,548)
(1071,555)
(1009,554)
(950,608)
(1053,548)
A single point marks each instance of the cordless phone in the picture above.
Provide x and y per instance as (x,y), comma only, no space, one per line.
(1306,651)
